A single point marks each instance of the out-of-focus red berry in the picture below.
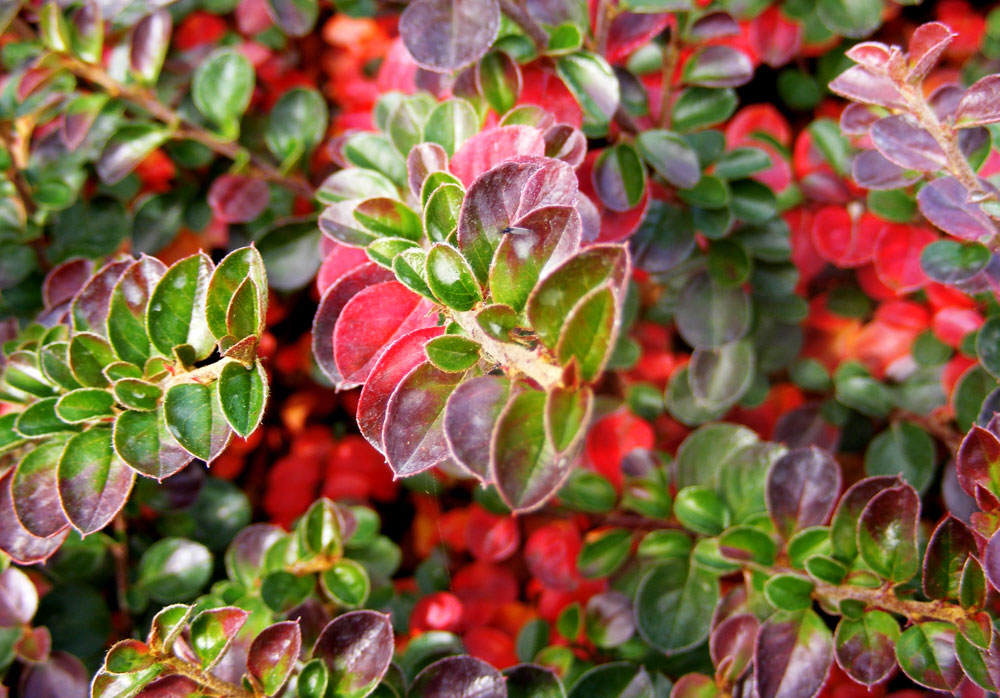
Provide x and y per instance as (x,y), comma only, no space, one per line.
(490,537)
(198,29)
(611,438)
(439,611)
(551,553)
(491,645)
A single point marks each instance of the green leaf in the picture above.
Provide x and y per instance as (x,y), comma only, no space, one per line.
(589,333)
(212,631)
(127,311)
(283,591)
(926,653)
(671,157)
(388,218)
(591,80)
(290,256)
(88,355)
(142,440)
(375,152)
(136,394)
(243,317)
(221,89)
(567,413)
(176,313)
(167,625)
(450,278)
(526,468)
(619,177)
(174,569)
(450,124)
(674,605)
(698,107)
(789,592)
(237,266)
(887,533)
(452,353)
(701,510)
(40,419)
(346,583)
(296,125)
(194,417)
(128,656)
(84,404)
(602,555)
(440,216)
(242,395)
(903,449)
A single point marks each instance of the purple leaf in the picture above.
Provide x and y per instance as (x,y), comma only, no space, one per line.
(718,66)
(22,547)
(863,85)
(65,281)
(857,119)
(980,105)
(714,25)
(902,141)
(330,306)
(357,648)
(806,426)
(944,101)
(991,560)
(802,489)
(927,44)
(238,199)
(148,44)
(63,675)
(470,418)
(18,598)
(35,490)
(732,644)
(945,203)
(792,656)
(872,171)
(422,160)
(444,35)
(565,143)
(413,433)
(94,483)
(458,676)
(172,686)
(245,555)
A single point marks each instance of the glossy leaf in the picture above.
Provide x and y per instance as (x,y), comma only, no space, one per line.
(356,648)
(887,533)
(593,83)
(980,104)
(176,312)
(945,203)
(470,416)
(926,653)
(126,328)
(273,654)
(589,333)
(413,433)
(718,66)
(674,605)
(213,630)
(444,36)
(142,440)
(242,394)
(195,419)
(94,483)
(458,676)
(794,651)
(671,157)
(35,490)
(709,315)
(619,177)
(450,278)
(905,143)
(221,88)
(802,489)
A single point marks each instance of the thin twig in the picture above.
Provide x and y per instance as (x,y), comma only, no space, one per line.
(522,18)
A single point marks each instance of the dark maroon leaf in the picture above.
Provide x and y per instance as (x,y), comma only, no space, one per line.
(900,139)
(273,654)
(413,433)
(927,44)
(565,143)
(991,560)
(950,546)
(399,358)
(945,203)
(458,676)
(22,547)
(861,84)
(718,66)
(35,491)
(732,644)
(357,648)
(333,301)
(944,101)
(469,419)
(806,426)
(238,199)
(802,489)
(843,526)
(65,281)
(173,686)
(872,171)
(245,554)
(444,35)
(792,656)
(978,462)
(981,103)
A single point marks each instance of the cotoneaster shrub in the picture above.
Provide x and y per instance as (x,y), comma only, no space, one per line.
(640,348)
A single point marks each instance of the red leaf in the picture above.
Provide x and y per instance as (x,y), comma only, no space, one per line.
(897,256)
(396,361)
(370,321)
(340,260)
(486,150)
(845,242)
(238,199)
